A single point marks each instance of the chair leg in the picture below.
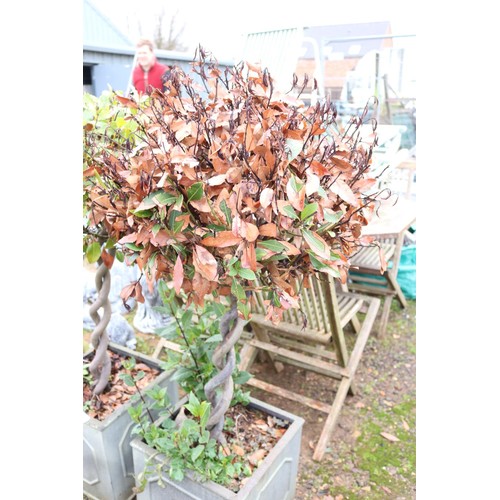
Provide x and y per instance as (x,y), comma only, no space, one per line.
(356,325)
(247,356)
(384,318)
(399,293)
(158,348)
(327,431)
(352,389)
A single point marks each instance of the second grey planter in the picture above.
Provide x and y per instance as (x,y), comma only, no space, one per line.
(274,479)
(107,456)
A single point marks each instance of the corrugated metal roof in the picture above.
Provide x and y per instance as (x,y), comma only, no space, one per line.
(325,36)
(99,31)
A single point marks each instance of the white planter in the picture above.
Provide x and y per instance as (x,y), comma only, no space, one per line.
(107,456)
(274,479)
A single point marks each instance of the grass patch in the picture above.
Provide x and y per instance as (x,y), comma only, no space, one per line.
(391,465)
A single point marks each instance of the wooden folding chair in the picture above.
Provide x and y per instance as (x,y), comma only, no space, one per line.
(319,347)
(364,274)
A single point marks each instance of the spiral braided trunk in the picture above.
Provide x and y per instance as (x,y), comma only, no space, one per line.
(224,359)
(100,367)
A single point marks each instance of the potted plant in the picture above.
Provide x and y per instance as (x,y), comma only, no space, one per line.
(107,456)
(108,470)
(234,187)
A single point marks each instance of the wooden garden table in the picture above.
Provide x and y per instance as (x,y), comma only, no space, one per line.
(389,226)
(392,219)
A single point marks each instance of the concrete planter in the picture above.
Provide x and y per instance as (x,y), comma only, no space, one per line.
(107,456)
(274,479)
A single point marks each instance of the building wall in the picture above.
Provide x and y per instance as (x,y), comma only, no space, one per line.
(335,73)
(113,67)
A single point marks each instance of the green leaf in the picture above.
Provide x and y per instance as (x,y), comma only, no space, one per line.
(335,256)
(227,212)
(260,253)
(99,180)
(157,393)
(93,252)
(241,378)
(142,213)
(273,245)
(181,374)
(179,202)
(247,274)
(129,363)
(127,379)
(309,210)
(135,412)
(317,246)
(275,300)
(195,192)
(171,219)
(233,260)
(155,229)
(204,413)
(296,184)
(197,452)
(164,198)
(244,309)
(178,226)
(176,474)
(205,436)
(237,290)
(214,338)
(332,216)
(290,212)
(277,257)
(294,148)
(194,405)
(110,243)
(322,193)
(317,264)
(186,318)
(216,227)
(230,471)
(132,246)
(331,271)
(148,202)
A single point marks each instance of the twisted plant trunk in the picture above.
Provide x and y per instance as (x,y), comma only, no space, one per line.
(231,328)
(100,367)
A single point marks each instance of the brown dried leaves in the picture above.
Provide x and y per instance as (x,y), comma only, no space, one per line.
(243,173)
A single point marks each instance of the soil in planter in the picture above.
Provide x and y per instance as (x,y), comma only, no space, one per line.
(117,392)
(253,436)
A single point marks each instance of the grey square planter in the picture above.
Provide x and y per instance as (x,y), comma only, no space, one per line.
(274,479)
(107,456)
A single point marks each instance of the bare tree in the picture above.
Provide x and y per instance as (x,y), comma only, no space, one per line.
(167,35)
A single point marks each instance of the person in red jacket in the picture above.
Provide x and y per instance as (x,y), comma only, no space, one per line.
(148,73)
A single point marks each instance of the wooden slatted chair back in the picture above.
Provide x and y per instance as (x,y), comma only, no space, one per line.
(314,312)
(320,346)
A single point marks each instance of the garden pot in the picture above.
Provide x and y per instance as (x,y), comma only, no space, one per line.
(107,455)
(274,479)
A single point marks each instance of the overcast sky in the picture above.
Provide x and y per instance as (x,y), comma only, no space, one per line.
(213,24)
